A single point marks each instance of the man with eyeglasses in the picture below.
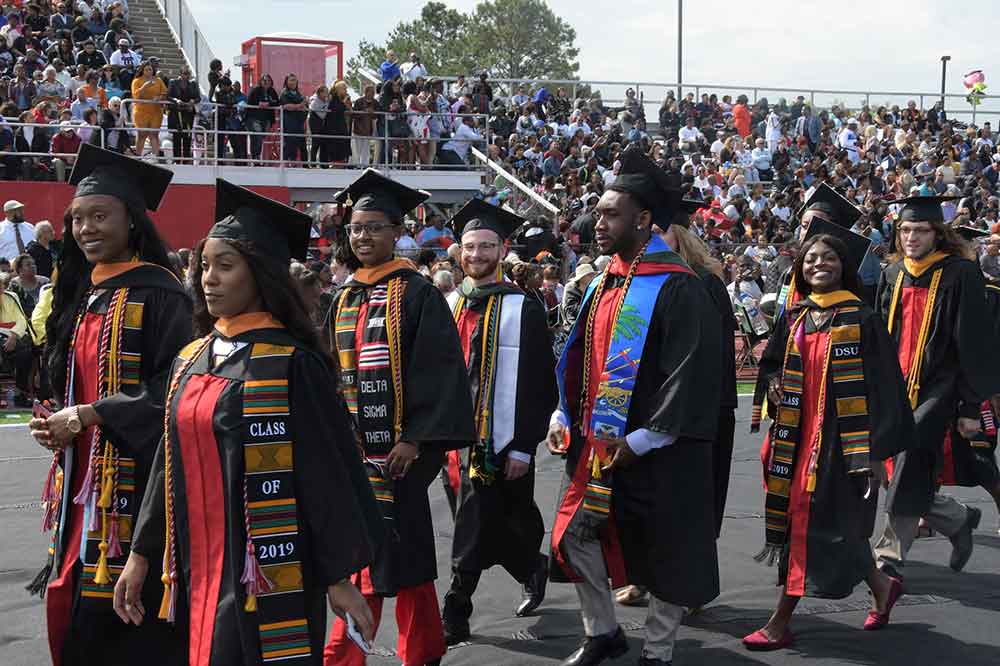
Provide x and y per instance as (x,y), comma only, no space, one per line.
(403,377)
(511,368)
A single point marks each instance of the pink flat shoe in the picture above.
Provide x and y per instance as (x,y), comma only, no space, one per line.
(876,620)
(759,642)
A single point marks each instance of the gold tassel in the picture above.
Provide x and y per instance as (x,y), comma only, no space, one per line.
(811,483)
(595,466)
(107,486)
(165,602)
(251,605)
(103,576)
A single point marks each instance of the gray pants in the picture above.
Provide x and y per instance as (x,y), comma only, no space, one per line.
(583,551)
(946,515)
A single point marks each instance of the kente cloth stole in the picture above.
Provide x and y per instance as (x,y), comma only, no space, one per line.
(843,365)
(483,460)
(606,418)
(272,567)
(371,375)
(107,496)
(917,364)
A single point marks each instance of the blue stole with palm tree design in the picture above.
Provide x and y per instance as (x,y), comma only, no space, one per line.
(628,338)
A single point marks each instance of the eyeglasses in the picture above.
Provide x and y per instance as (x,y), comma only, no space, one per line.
(370,229)
(484,247)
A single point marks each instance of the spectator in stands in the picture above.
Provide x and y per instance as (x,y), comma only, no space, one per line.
(230,123)
(12,30)
(15,233)
(62,49)
(293,112)
(436,236)
(741,116)
(337,123)
(761,159)
(27,283)
(363,126)
(81,31)
(109,83)
(81,104)
(31,139)
(90,56)
(459,88)
(22,90)
(35,19)
(15,346)
(148,91)
(40,249)
(482,95)
(262,101)
(418,118)
(690,137)
(413,70)
(455,151)
(116,135)
(238,91)
(990,259)
(390,68)
(125,57)
(62,19)
(215,75)
(183,93)
(319,106)
(65,144)
(7,56)
(50,90)
(91,131)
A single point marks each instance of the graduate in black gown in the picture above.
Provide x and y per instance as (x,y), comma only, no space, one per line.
(640,386)
(404,379)
(933,300)
(259,509)
(119,316)
(839,407)
(511,368)
(971,462)
(694,251)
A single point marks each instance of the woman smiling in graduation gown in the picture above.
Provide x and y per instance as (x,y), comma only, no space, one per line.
(119,316)
(259,506)
(830,373)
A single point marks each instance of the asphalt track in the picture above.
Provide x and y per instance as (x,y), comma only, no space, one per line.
(945,618)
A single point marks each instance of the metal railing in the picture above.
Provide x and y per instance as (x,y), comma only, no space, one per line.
(389,150)
(188,36)
(613,94)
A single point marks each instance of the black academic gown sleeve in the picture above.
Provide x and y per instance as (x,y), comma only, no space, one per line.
(890,417)
(724,305)
(980,364)
(148,532)
(339,516)
(437,400)
(537,392)
(133,417)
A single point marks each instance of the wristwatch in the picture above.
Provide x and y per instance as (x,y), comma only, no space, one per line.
(74,424)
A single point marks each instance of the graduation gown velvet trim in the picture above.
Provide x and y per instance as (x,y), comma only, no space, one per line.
(664,504)
(338,522)
(960,367)
(827,552)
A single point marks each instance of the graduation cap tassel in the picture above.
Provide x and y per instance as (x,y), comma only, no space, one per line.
(107,486)
(253,578)
(770,552)
(40,582)
(114,543)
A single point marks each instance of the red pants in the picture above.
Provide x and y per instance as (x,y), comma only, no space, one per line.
(421,634)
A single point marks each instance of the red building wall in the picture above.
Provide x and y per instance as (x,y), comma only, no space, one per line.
(184,217)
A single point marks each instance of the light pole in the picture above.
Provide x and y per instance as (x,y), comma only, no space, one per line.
(944,69)
(680,49)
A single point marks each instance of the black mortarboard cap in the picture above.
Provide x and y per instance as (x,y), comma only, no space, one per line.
(100,171)
(373,191)
(921,209)
(857,245)
(971,233)
(685,208)
(642,178)
(478,214)
(828,201)
(280,231)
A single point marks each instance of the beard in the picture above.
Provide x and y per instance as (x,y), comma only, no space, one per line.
(480,270)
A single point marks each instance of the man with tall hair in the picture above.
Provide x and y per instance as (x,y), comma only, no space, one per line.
(933,299)
(640,388)
(511,370)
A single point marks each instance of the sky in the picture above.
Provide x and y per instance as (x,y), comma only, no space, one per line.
(846,45)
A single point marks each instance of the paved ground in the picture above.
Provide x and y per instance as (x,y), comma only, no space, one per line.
(946,618)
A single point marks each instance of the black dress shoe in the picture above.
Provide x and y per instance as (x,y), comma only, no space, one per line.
(533,592)
(961,542)
(649,661)
(455,617)
(596,649)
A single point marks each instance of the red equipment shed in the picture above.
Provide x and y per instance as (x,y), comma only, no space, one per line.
(314,61)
